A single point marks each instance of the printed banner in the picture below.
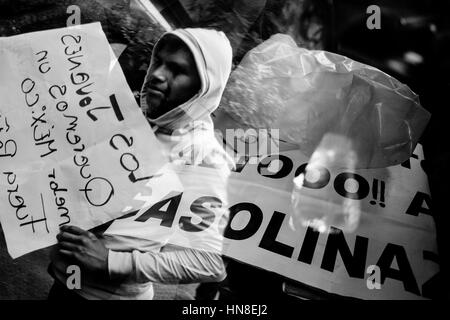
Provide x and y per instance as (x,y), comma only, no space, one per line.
(395,229)
(74,145)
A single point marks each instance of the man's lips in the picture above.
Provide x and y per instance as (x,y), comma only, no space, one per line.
(155,92)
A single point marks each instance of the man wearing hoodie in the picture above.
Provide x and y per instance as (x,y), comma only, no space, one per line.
(184,84)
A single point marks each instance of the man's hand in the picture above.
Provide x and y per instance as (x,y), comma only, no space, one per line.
(84,248)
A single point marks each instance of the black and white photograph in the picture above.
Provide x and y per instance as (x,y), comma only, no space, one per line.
(228,156)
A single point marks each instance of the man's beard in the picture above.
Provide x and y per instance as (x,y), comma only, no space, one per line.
(154,111)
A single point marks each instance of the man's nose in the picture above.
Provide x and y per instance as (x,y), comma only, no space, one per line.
(160,74)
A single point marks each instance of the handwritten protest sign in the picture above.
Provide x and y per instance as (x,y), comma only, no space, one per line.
(74,146)
(396,231)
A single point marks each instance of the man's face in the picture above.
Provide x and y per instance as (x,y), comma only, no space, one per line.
(173,78)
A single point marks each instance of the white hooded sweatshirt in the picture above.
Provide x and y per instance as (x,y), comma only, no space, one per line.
(186,134)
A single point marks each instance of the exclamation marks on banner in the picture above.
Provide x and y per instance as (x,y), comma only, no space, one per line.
(378,193)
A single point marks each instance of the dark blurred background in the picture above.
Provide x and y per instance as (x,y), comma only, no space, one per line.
(413,45)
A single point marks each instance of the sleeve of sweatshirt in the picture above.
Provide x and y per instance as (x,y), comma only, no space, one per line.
(171,267)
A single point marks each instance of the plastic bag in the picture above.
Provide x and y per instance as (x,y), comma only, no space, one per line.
(317,98)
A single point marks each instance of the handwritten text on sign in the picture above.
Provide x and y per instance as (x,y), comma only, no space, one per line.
(74,146)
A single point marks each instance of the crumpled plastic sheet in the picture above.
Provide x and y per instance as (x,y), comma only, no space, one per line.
(312,94)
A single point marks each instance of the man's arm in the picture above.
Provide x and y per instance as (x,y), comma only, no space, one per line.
(182,265)
(172,265)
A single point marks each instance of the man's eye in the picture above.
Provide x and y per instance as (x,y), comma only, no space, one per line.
(175,69)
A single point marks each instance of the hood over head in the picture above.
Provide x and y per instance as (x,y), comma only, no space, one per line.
(213,56)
